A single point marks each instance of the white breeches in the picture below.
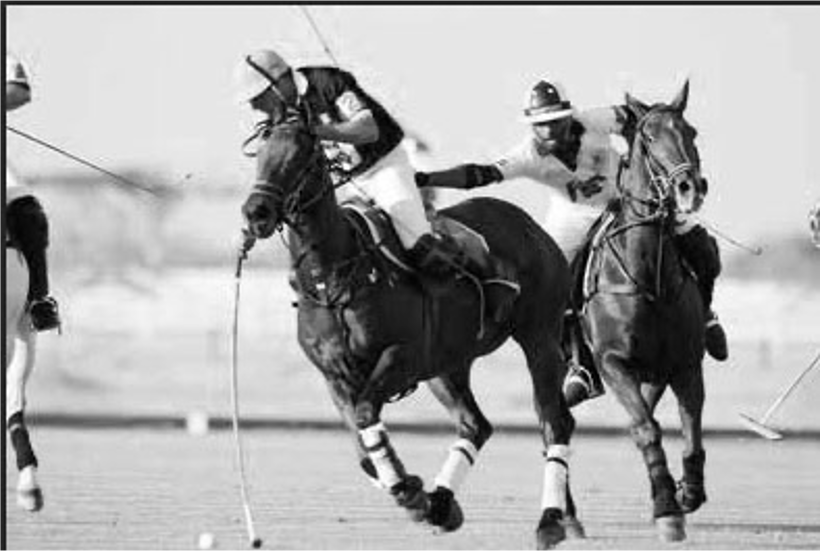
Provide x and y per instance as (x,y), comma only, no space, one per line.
(568,224)
(20,338)
(391,184)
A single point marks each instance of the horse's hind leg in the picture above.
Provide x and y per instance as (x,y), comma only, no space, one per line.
(547,369)
(473,431)
(29,493)
(646,433)
(690,393)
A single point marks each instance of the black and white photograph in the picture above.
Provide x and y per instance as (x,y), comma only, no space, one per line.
(411,276)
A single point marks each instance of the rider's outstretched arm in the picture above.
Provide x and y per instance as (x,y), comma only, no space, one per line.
(469,175)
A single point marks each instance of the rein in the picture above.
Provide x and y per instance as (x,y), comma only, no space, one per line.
(293,208)
(660,210)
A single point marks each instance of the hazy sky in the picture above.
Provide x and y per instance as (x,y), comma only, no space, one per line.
(151,85)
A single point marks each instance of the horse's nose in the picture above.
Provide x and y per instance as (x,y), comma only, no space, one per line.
(261,228)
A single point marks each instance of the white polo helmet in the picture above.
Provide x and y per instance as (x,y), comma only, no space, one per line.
(257,72)
(545,102)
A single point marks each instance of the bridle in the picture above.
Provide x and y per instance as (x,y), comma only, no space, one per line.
(661,204)
(292,205)
(661,177)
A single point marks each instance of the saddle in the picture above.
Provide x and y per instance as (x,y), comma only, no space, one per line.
(374,224)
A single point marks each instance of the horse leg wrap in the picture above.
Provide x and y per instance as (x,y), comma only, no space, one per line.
(691,488)
(388,466)
(461,458)
(21,442)
(693,467)
(665,502)
(556,478)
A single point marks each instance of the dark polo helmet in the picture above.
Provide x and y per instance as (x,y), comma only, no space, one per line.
(546,102)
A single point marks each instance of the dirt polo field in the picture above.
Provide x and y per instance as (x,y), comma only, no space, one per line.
(144,488)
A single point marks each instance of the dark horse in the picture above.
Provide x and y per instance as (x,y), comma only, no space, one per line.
(375,331)
(643,314)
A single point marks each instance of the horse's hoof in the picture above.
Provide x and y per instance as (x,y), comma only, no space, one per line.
(30,499)
(551,529)
(445,513)
(671,528)
(410,495)
(574,528)
(691,497)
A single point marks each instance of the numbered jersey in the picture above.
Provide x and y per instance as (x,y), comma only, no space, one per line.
(330,95)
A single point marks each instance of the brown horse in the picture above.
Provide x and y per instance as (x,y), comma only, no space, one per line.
(643,314)
(376,331)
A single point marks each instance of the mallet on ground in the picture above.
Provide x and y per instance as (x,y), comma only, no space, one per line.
(760,426)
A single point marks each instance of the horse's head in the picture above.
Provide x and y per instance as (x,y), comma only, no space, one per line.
(664,142)
(286,160)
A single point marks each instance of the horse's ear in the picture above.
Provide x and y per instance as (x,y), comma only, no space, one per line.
(636,106)
(679,103)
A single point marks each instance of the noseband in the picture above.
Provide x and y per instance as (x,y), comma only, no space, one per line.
(292,204)
(661,178)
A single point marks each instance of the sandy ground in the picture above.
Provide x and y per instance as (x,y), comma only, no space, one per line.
(159,489)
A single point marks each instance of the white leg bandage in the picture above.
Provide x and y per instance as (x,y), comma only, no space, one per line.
(381,453)
(463,455)
(556,475)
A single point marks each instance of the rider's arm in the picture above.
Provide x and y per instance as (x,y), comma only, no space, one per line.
(361,128)
(606,120)
(469,175)
(355,123)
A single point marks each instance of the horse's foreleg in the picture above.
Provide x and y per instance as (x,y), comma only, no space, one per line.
(473,430)
(646,433)
(547,369)
(29,493)
(347,410)
(690,393)
(407,490)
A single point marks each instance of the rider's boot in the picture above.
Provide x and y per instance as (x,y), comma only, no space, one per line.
(442,258)
(701,252)
(582,381)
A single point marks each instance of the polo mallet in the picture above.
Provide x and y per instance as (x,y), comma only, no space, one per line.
(247,243)
(118,179)
(760,426)
(319,35)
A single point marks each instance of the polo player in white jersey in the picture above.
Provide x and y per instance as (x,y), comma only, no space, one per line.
(27,224)
(578,155)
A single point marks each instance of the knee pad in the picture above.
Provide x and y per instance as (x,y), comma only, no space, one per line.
(27,224)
